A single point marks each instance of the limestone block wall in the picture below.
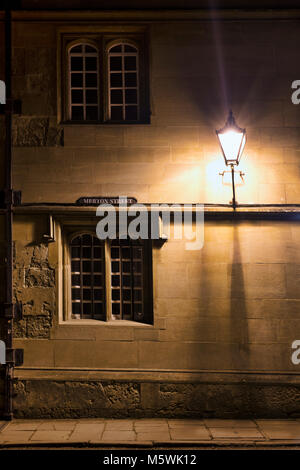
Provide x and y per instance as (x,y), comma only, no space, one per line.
(221,341)
(225,318)
(197,71)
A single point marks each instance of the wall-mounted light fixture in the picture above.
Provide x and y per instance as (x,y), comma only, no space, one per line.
(232,139)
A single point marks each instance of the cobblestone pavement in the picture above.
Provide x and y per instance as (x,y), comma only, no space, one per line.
(150,432)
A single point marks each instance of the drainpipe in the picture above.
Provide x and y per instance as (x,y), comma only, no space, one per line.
(8,306)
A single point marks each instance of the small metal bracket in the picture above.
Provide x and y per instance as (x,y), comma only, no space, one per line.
(15,356)
(50,236)
(222,173)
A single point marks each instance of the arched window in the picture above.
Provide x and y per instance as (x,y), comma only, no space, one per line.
(87,277)
(83,83)
(123,83)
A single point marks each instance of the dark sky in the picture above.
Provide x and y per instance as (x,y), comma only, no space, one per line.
(157,4)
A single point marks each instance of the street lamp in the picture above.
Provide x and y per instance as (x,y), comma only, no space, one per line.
(232,139)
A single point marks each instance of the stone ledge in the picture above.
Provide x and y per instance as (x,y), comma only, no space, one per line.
(159,375)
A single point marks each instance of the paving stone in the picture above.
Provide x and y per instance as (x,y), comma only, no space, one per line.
(235,433)
(152,422)
(122,425)
(283,433)
(57,426)
(50,436)
(117,436)
(89,427)
(24,426)
(140,427)
(16,436)
(173,423)
(148,430)
(153,435)
(225,423)
(277,422)
(186,433)
(85,432)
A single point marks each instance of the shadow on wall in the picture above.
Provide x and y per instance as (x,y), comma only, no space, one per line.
(238,307)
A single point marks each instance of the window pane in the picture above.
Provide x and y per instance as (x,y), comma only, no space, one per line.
(116,49)
(90,48)
(116,113)
(77,113)
(130,79)
(75,294)
(130,63)
(115,267)
(97,266)
(131,113)
(77,96)
(76,79)
(87,280)
(115,294)
(91,80)
(98,294)
(126,267)
(75,252)
(115,63)
(126,280)
(91,63)
(86,266)
(86,252)
(116,309)
(75,266)
(115,79)
(138,310)
(137,267)
(137,281)
(98,309)
(115,280)
(125,252)
(127,311)
(137,293)
(91,96)
(75,280)
(115,252)
(76,308)
(76,49)
(87,293)
(87,309)
(116,96)
(86,240)
(128,48)
(92,113)
(131,96)
(76,63)
(98,280)
(126,294)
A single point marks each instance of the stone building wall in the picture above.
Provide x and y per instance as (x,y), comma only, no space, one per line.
(2,220)
(221,341)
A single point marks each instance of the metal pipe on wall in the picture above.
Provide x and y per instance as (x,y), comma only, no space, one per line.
(8,307)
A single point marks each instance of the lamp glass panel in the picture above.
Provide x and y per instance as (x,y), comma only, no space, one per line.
(231,141)
(242,146)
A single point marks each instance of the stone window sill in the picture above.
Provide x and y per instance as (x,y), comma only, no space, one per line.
(159,324)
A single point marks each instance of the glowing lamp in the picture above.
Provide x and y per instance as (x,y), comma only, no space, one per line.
(232,139)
